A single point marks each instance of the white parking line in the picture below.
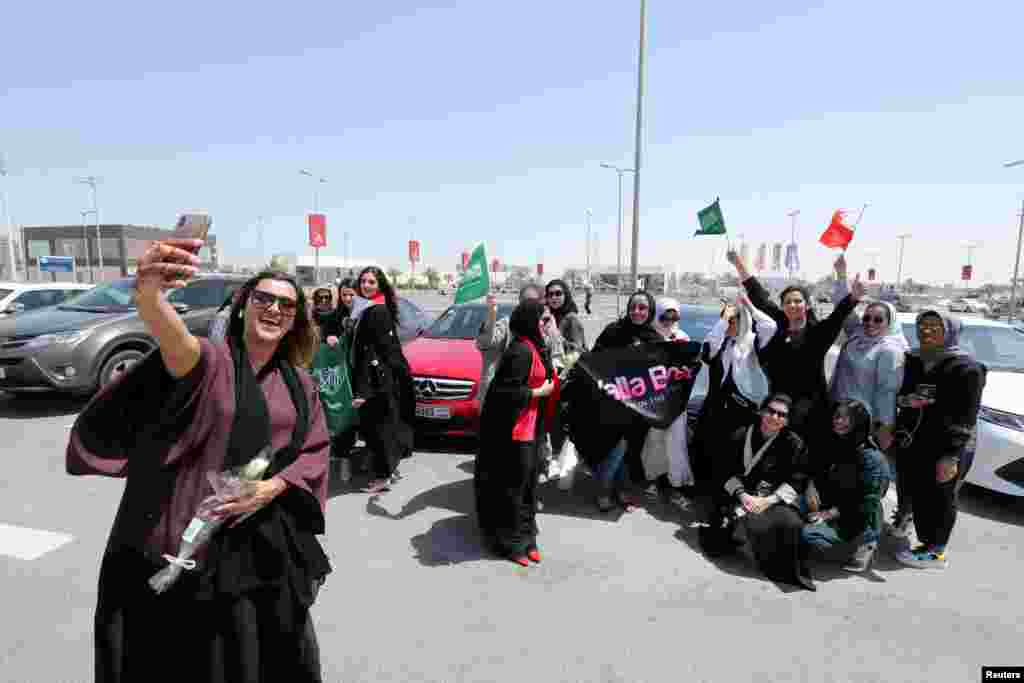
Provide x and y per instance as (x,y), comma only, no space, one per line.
(24,543)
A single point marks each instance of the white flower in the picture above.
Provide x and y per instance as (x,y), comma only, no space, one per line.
(255,469)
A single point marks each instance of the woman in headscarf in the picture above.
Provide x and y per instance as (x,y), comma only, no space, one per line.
(736,383)
(346,295)
(571,342)
(515,419)
(494,339)
(794,359)
(870,366)
(758,480)
(636,328)
(382,382)
(850,488)
(324,314)
(666,451)
(191,409)
(939,402)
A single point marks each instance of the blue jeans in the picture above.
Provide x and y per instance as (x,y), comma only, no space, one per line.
(611,472)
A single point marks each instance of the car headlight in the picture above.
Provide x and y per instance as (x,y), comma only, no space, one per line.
(69,338)
(998,417)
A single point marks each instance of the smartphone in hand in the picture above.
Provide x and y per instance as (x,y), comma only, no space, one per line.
(193,226)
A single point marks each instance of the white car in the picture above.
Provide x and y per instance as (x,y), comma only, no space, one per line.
(16,297)
(999,458)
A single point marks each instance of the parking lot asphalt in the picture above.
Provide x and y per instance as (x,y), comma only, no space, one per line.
(618,597)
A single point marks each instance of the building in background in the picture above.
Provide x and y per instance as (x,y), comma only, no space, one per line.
(122,246)
(6,273)
(303,267)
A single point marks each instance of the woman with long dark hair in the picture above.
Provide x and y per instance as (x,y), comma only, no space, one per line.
(514,423)
(382,383)
(795,358)
(570,342)
(191,409)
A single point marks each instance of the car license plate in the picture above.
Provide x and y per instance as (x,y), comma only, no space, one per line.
(434,412)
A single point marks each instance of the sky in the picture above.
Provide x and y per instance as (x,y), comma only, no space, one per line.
(460,122)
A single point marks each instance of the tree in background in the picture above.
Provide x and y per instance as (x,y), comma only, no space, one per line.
(433,278)
(278,263)
(394,275)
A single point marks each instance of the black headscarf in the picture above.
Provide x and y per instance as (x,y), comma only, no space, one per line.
(568,303)
(525,323)
(624,332)
(860,424)
(323,317)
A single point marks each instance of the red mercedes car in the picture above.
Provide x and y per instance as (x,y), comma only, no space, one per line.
(445,366)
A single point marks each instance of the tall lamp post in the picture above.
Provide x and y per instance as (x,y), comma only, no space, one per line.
(899,270)
(618,275)
(638,149)
(10,225)
(85,244)
(92,181)
(1016,263)
(589,214)
(317,182)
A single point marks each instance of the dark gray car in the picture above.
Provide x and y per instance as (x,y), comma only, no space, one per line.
(90,340)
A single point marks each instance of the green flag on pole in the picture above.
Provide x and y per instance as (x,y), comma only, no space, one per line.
(711,221)
(475,282)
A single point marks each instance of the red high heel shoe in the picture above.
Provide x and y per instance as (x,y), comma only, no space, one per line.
(521,561)
(534,555)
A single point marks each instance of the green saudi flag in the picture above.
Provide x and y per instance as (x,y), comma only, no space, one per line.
(711,221)
(475,282)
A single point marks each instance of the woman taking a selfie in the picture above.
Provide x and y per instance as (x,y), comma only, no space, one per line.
(189,410)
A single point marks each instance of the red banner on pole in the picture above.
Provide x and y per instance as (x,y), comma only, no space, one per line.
(465,260)
(540,269)
(966,272)
(317,230)
(414,251)
(495,265)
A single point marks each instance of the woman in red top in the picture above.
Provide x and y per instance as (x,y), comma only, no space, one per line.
(519,406)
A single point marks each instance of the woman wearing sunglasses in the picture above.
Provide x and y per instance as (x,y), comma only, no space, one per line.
(759,475)
(620,448)
(241,612)
(870,366)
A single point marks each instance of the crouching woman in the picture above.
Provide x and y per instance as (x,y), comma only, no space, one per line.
(760,474)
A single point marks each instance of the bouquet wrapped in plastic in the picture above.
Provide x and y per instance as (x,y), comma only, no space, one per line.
(205,523)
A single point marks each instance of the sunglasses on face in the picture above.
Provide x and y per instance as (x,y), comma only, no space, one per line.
(639,307)
(670,318)
(771,412)
(876,319)
(262,299)
(556,293)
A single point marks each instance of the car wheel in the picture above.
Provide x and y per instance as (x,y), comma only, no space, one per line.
(118,365)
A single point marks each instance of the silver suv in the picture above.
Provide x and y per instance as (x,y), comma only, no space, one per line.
(88,341)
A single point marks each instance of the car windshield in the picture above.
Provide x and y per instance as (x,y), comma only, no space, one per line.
(107,296)
(999,348)
(463,322)
(697,322)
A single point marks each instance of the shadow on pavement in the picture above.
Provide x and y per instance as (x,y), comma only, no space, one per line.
(31,406)
(455,445)
(456,496)
(450,541)
(998,507)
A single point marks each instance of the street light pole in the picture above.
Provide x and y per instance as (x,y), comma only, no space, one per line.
(92,181)
(85,245)
(589,213)
(1016,263)
(638,149)
(10,225)
(792,239)
(618,275)
(899,270)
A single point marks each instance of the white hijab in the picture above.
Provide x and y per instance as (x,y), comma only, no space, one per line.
(671,332)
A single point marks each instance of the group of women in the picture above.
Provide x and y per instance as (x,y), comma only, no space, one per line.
(780,458)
